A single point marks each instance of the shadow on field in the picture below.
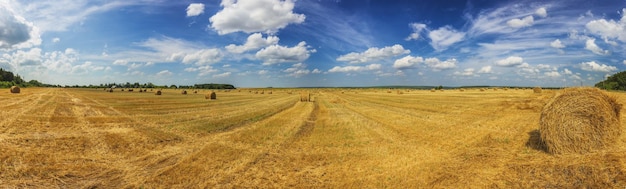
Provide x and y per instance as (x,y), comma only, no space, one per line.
(534,141)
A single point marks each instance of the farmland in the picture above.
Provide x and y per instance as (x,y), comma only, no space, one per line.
(344,138)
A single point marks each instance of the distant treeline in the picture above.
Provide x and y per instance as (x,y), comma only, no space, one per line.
(615,82)
(8,79)
(151,85)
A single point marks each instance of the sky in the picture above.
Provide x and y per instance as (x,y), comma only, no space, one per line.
(314,43)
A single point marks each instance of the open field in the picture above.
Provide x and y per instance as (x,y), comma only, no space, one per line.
(346,138)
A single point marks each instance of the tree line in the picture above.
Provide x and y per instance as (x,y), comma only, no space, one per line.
(615,82)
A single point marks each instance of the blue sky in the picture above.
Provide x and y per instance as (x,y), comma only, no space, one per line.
(286,43)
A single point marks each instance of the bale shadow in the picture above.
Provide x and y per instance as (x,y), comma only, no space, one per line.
(535,142)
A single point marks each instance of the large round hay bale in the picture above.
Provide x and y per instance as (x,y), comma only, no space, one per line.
(15,89)
(305,97)
(158,92)
(580,120)
(184,92)
(211,96)
(537,90)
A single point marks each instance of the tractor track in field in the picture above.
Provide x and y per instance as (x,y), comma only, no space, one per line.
(28,104)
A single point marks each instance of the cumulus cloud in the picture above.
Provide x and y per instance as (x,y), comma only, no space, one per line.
(195,9)
(485,69)
(60,61)
(263,72)
(299,70)
(541,12)
(222,75)
(56,40)
(557,44)
(510,61)
(373,54)
(120,62)
(275,54)
(445,36)
(202,70)
(254,42)
(609,28)
(254,16)
(438,65)
(520,23)
(552,74)
(199,57)
(164,73)
(595,67)
(346,69)
(466,72)
(417,29)
(407,62)
(624,62)
(591,46)
(15,30)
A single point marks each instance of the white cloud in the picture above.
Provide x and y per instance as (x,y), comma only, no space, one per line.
(254,16)
(60,61)
(86,68)
(297,70)
(417,29)
(164,73)
(120,62)
(591,46)
(510,61)
(202,70)
(438,65)
(485,69)
(595,67)
(520,23)
(195,9)
(624,61)
(222,75)
(445,36)
(355,68)
(56,40)
(263,72)
(541,12)
(611,28)
(373,54)
(16,32)
(255,41)
(407,62)
(567,71)
(316,71)
(279,54)
(552,74)
(199,57)
(466,72)
(557,44)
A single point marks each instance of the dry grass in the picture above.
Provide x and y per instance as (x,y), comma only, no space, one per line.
(580,120)
(80,138)
(537,89)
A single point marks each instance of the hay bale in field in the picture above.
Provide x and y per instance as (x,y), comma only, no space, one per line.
(388,91)
(109,90)
(122,90)
(432,90)
(400,92)
(262,92)
(580,120)
(481,89)
(537,90)
(211,96)
(15,89)
(158,92)
(461,90)
(184,92)
(305,97)
(131,90)
(269,92)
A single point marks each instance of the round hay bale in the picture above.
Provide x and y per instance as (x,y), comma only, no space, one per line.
(211,96)
(580,120)
(269,92)
(184,92)
(537,90)
(157,92)
(110,90)
(305,97)
(15,89)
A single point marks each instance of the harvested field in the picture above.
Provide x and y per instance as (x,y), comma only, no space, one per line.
(85,138)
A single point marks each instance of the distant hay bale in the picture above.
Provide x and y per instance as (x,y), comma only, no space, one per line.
(184,92)
(122,90)
(400,92)
(461,90)
(305,97)
(537,90)
(580,120)
(388,91)
(211,96)
(130,90)
(262,92)
(495,89)
(110,90)
(269,92)
(481,89)
(15,89)
(158,92)
(432,90)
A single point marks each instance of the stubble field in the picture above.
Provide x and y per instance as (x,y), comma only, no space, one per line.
(345,138)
